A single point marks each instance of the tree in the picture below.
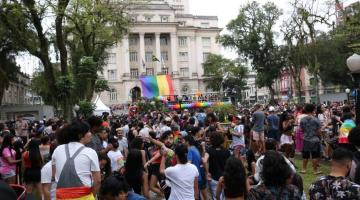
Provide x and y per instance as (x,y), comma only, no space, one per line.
(224,73)
(82,32)
(252,36)
(8,68)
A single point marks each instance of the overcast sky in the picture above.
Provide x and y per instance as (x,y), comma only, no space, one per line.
(226,10)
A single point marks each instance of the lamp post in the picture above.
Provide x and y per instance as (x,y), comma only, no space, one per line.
(353,63)
(347,90)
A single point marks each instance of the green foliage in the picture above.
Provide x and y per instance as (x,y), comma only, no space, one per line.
(64,85)
(252,36)
(224,110)
(86,109)
(155,105)
(101,85)
(222,72)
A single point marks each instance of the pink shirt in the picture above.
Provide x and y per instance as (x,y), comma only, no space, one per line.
(5,166)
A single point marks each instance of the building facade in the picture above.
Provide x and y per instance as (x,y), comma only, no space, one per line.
(254,93)
(18,91)
(163,39)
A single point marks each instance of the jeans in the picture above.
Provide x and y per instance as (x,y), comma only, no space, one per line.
(213,185)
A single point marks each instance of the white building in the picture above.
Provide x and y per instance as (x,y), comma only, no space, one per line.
(255,94)
(163,29)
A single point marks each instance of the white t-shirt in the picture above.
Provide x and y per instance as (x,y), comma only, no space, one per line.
(117,160)
(238,140)
(181,179)
(123,144)
(46,174)
(86,162)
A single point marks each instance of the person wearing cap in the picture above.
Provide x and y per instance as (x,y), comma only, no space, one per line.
(273,122)
(166,125)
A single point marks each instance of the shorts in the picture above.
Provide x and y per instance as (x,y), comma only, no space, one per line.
(258,136)
(10,174)
(313,154)
(155,170)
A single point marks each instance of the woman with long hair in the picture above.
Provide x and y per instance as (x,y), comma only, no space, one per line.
(8,160)
(135,174)
(32,162)
(234,181)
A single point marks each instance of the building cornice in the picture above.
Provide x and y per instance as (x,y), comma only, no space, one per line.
(196,16)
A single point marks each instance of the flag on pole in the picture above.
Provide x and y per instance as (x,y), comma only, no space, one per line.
(163,63)
(154,86)
(155,59)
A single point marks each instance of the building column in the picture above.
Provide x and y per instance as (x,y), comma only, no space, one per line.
(192,57)
(199,57)
(173,38)
(141,54)
(125,45)
(157,53)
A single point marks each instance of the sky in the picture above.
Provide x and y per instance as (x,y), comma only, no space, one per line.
(226,10)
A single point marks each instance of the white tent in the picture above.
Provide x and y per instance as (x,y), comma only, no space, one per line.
(100,107)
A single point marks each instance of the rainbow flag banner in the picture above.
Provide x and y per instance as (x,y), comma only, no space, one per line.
(154,86)
(178,106)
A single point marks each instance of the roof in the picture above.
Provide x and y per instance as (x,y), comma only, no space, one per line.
(150,6)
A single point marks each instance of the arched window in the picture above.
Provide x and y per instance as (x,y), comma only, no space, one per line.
(113,95)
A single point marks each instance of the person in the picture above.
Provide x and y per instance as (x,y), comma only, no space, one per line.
(270,145)
(311,127)
(116,157)
(234,181)
(105,166)
(354,139)
(77,173)
(95,143)
(257,136)
(238,138)
(21,129)
(217,159)
(275,174)
(299,135)
(45,147)
(336,185)
(116,188)
(286,139)
(8,160)
(183,177)
(135,174)
(345,128)
(273,121)
(123,143)
(32,162)
(194,156)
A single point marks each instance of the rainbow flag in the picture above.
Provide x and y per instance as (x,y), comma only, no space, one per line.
(154,86)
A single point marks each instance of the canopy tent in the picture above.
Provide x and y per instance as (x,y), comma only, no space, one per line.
(100,107)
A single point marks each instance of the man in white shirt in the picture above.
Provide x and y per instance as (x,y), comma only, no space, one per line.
(48,185)
(183,177)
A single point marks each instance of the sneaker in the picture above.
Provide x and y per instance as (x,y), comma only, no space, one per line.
(303,171)
(318,172)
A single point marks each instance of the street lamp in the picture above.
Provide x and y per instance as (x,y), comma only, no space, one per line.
(347,90)
(353,63)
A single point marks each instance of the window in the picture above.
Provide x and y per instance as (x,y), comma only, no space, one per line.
(133,56)
(134,73)
(206,42)
(164,56)
(182,23)
(183,56)
(133,18)
(163,41)
(112,58)
(205,56)
(205,24)
(133,41)
(112,74)
(148,41)
(113,95)
(184,72)
(148,18)
(149,71)
(183,41)
(148,56)
(165,70)
(164,18)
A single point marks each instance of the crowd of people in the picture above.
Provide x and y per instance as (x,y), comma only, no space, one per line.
(184,155)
